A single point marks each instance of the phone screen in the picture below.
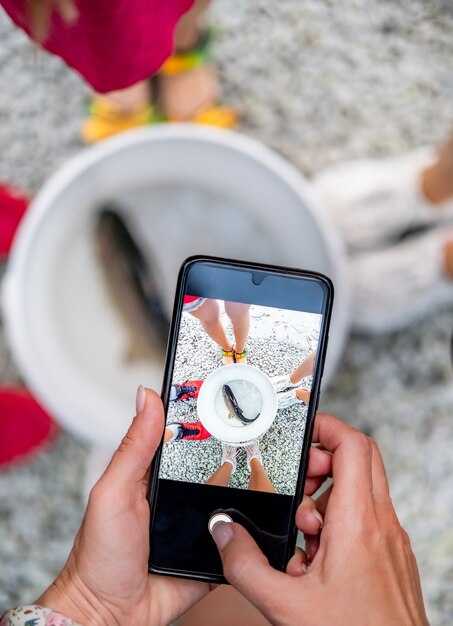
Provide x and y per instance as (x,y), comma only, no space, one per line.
(242,383)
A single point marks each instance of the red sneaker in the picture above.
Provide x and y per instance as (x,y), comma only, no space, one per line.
(193,431)
(25,428)
(188,389)
(13,204)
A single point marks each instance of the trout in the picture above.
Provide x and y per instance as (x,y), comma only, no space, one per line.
(132,286)
(234,410)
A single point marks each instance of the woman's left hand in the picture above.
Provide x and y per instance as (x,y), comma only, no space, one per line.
(106,579)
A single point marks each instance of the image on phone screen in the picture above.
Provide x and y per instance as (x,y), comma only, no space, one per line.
(258,403)
(242,380)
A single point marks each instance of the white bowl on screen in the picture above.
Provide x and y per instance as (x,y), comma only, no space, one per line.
(255,395)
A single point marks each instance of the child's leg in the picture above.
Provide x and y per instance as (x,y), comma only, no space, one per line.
(259,480)
(288,381)
(191,25)
(304,369)
(437,179)
(303,395)
(187,34)
(221,476)
(374,201)
(208,316)
(117,111)
(399,285)
(130,99)
(184,94)
(448,257)
(240,319)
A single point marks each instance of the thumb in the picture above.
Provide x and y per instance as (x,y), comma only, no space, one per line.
(131,461)
(247,568)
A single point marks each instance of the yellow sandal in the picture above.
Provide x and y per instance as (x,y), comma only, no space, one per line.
(226,355)
(240,357)
(107,118)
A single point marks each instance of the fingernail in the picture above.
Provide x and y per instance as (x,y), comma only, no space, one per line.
(318,516)
(222,533)
(140,399)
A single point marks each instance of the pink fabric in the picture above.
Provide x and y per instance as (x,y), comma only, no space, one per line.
(114,43)
(190,299)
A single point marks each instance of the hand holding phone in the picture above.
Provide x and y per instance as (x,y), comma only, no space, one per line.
(352,563)
(358,566)
(362,549)
(105,579)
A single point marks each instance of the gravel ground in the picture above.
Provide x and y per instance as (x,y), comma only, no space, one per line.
(197,357)
(319,81)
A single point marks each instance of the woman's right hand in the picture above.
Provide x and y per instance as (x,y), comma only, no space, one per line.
(358,568)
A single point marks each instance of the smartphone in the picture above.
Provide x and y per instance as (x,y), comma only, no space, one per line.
(241,386)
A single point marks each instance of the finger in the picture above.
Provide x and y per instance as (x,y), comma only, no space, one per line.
(379,475)
(312,540)
(131,461)
(311,546)
(319,463)
(297,565)
(308,519)
(319,468)
(351,458)
(313,484)
(322,501)
(383,502)
(246,567)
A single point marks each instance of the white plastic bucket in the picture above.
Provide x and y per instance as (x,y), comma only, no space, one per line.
(64,335)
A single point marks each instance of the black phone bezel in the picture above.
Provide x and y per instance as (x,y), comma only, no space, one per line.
(313,406)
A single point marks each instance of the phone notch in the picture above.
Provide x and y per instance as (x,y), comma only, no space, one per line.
(258,277)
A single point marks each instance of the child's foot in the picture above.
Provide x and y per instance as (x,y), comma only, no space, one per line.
(281,383)
(253,452)
(227,356)
(117,112)
(288,398)
(188,389)
(185,430)
(373,202)
(188,88)
(240,357)
(229,453)
(399,285)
